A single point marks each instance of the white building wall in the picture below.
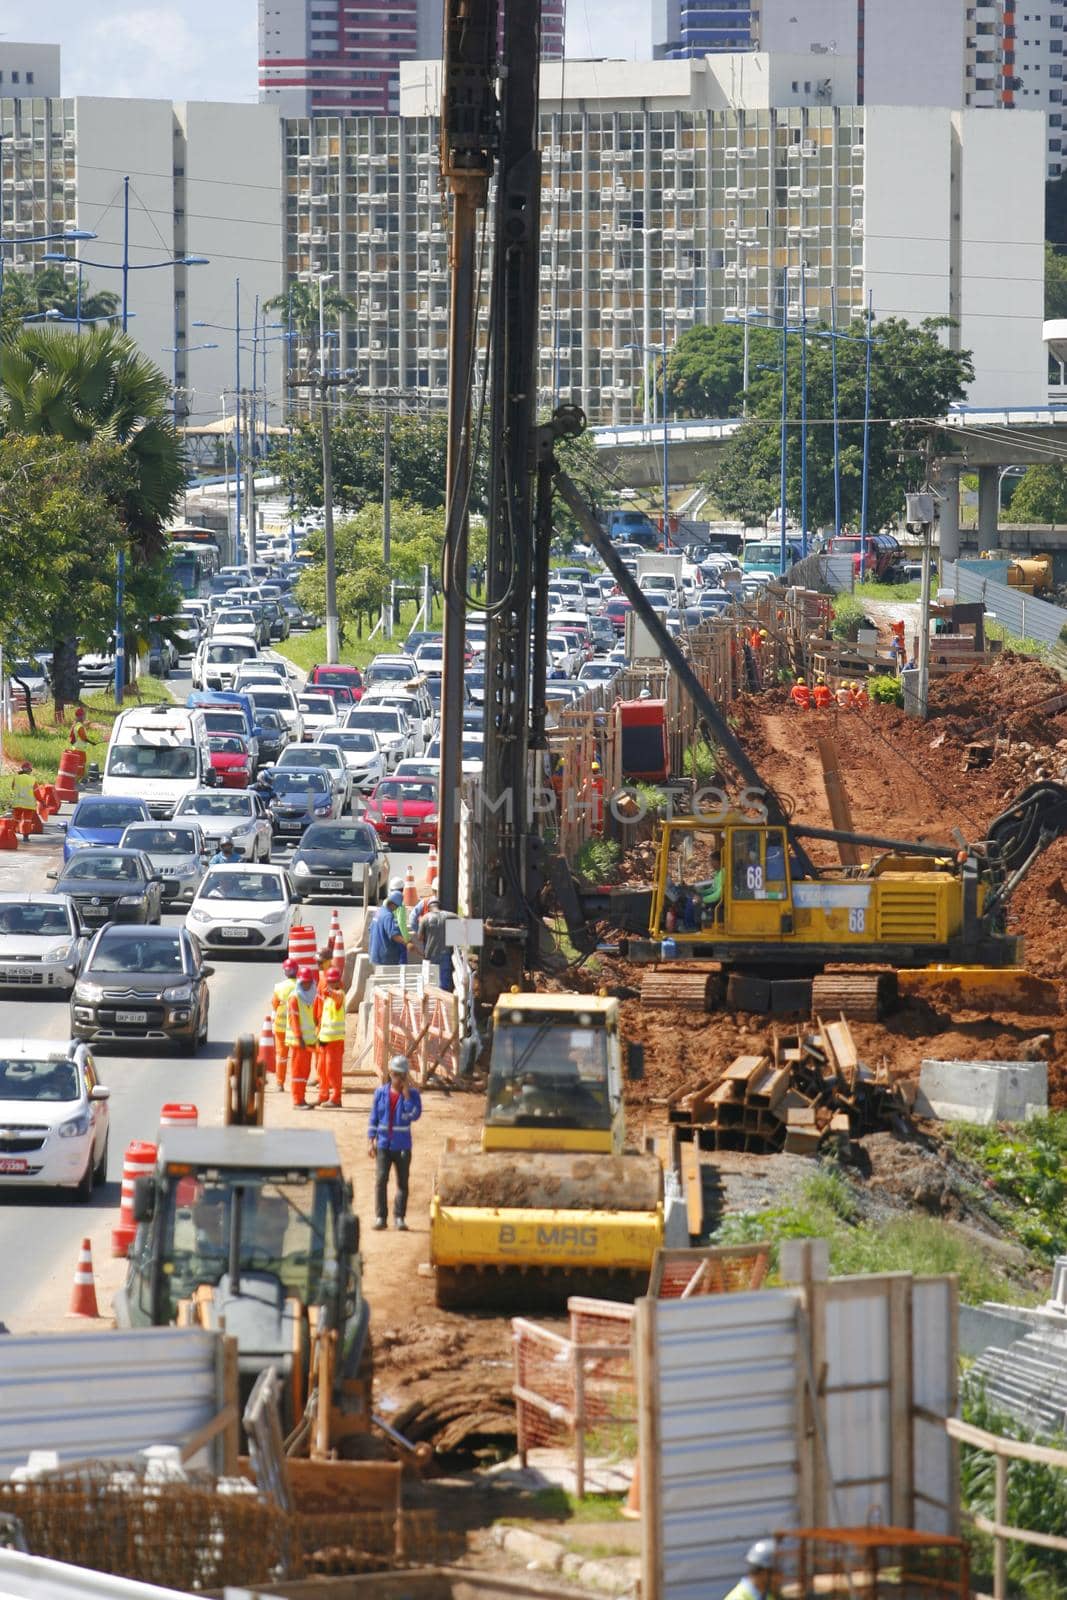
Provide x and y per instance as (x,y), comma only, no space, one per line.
(798,26)
(1001,255)
(907,211)
(29,69)
(283,36)
(913,52)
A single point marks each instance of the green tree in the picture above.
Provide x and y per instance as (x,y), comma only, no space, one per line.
(705,368)
(913,375)
(301,301)
(363,578)
(1041,496)
(1055,283)
(28,293)
(418,456)
(91,388)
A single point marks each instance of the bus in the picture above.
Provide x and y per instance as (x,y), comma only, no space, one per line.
(188,568)
(204,540)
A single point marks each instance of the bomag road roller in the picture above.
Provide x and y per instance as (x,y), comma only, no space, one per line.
(551,1203)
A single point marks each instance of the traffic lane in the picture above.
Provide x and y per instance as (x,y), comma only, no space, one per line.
(40,1231)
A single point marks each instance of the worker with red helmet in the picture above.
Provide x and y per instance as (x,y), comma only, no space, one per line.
(79,732)
(279,1004)
(302,1032)
(331,1038)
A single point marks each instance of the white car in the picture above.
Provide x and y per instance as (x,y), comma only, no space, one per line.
(235,814)
(178,854)
(243,908)
(414,705)
(217,660)
(282,700)
(473,754)
(392,727)
(237,621)
(41,942)
(362,754)
(318,712)
(430,658)
(54,1117)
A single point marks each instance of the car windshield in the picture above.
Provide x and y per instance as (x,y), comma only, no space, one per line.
(162,841)
(133,952)
(226,721)
(151,761)
(227,744)
(337,675)
(35,921)
(217,805)
(408,789)
(322,836)
(242,886)
(274,699)
(38,1080)
(241,618)
(116,815)
(304,756)
(93,864)
(222,654)
(389,671)
(547,1072)
(298,780)
(317,705)
(354,740)
(389,720)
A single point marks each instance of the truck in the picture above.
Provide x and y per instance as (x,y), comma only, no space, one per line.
(663,572)
(158,754)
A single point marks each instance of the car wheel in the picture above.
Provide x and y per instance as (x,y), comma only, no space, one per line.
(84,1191)
(100,1170)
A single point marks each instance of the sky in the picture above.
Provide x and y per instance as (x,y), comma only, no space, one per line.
(157,49)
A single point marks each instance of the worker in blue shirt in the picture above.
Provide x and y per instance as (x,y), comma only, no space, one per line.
(388,947)
(396,1105)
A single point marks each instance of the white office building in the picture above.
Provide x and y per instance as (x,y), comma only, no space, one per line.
(28,69)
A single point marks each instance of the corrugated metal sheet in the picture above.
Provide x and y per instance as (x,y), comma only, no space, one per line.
(1022,614)
(728,1431)
(935,1387)
(105,1395)
(857,1401)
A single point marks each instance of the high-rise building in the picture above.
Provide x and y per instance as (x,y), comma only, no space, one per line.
(682,28)
(28,69)
(342,57)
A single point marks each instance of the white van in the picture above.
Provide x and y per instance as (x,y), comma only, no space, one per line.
(217,659)
(158,754)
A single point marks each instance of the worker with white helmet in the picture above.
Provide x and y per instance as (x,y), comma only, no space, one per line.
(756,1584)
(396,1105)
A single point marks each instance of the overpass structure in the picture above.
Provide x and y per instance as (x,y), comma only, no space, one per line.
(969,439)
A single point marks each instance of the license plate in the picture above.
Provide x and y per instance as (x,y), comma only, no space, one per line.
(131,1016)
(94,911)
(233,933)
(14,974)
(402,830)
(290,827)
(11,1164)
(332,883)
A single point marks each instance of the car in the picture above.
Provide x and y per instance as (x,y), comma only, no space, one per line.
(340,858)
(615,611)
(384,669)
(318,713)
(602,632)
(107,884)
(326,756)
(142,983)
(96,669)
(101,819)
(177,852)
(33,676)
(475,678)
(395,734)
(430,657)
(414,705)
(235,814)
(416,637)
(300,621)
(54,1118)
(282,700)
(226,721)
(340,694)
(243,908)
(217,660)
(241,620)
(597,672)
(473,754)
(404,811)
(277,617)
(302,795)
(362,755)
(338,672)
(41,942)
(231,760)
(273,734)
(417,767)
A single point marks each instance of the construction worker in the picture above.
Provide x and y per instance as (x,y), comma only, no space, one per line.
(388,943)
(24,802)
(859,699)
(396,1105)
(756,1584)
(711,891)
(331,1039)
(279,1002)
(596,797)
(800,695)
(820,695)
(302,1033)
(432,934)
(79,732)
(843,694)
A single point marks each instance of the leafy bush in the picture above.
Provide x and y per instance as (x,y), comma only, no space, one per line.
(1027,1163)
(1037,1500)
(596,859)
(885,691)
(701,761)
(849,615)
(653,799)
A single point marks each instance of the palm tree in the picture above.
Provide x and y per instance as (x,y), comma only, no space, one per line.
(301,302)
(98,386)
(27,293)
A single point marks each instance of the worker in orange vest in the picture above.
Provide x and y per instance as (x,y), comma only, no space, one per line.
(800,695)
(331,1039)
(820,696)
(302,1032)
(859,699)
(596,797)
(279,1004)
(79,733)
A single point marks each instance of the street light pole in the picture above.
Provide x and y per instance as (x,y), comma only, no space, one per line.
(333,642)
(387,519)
(865,489)
(782,564)
(120,565)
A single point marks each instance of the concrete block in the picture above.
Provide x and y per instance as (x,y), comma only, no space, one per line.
(532,1549)
(983,1091)
(357,985)
(988,1327)
(609,1577)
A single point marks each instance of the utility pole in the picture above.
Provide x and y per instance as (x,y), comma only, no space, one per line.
(324,382)
(469,133)
(783,566)
(387,520)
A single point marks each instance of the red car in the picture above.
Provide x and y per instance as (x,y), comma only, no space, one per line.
(343,676)
(231,760)
(616,610)
(404,811)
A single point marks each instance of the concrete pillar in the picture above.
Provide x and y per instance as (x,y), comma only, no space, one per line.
(949,513)
(988,508)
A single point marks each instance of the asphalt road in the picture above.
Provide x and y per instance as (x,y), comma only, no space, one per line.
(40,1231)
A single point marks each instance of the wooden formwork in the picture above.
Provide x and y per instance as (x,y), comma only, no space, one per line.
(422,1026)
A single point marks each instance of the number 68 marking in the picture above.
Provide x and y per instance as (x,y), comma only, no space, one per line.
(857,919)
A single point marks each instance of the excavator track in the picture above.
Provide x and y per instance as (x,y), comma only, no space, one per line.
(864,997)
(684,991)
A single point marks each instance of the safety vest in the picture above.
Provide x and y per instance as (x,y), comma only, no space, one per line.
(301,1029)
(821,696)
(279,1000)
(79,734)
(332,1025)
(800,695)
(23,797)
(859,698)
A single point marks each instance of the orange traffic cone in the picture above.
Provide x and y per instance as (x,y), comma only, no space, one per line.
(9,839)
(431,868)
(411,888)
(83,1294)
(266,1043)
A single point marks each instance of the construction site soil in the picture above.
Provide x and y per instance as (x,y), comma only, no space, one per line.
(447,1377)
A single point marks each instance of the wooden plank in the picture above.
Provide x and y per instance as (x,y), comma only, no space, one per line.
(648,1438)
(769,1088)
(743,1068)
(694,1190)
(844,1047)
(840,1123)
(837,798)
(800,1117)
(802,1141)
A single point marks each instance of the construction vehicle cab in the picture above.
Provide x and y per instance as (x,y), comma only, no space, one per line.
(252,1230)
(552,1202)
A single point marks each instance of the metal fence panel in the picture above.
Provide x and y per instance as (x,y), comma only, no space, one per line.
(935,1380)
(1022,614)
(105,1395)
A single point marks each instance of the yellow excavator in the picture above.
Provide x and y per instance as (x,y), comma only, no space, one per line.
(552,1202)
